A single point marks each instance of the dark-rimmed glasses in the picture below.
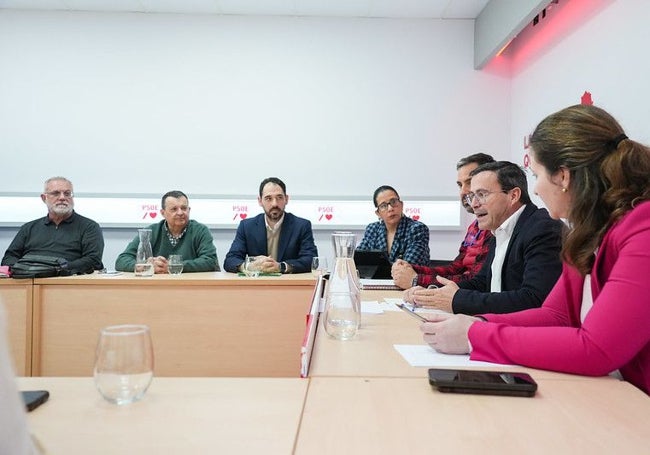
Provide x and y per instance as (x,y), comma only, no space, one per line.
(394,202)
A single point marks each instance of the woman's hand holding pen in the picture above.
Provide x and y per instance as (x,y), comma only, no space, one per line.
(447,333)
(439,298)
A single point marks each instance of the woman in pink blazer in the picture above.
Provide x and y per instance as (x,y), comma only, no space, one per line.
(596,320)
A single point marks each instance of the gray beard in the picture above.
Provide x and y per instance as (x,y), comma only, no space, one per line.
(63,210)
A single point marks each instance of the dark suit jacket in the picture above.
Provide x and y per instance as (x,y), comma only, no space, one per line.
(295,246)
(531,267)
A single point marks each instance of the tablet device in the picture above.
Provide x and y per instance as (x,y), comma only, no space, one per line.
(483,382)
(372,264)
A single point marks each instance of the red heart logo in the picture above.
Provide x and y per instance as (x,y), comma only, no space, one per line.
(153,214)
(328,216)
(243,216)
(416,217)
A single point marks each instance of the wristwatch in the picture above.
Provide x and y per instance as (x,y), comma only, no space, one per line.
(284,268)
(415,281)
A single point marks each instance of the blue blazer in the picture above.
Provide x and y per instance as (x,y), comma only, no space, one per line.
(530,269)
(296,244)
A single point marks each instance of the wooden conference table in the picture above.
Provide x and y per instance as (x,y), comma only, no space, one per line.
(176,416)
(202,324)
(381,405)
(371,352)
(361,415)
(364,393)
(356,415)
(16,297)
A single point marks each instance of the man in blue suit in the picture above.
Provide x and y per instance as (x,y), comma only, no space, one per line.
(280,241)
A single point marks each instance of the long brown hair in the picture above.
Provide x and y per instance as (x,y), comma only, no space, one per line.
(610,174)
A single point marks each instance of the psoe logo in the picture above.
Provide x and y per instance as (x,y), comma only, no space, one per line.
(239,211)
(149,211)
(326,211)
(413,212)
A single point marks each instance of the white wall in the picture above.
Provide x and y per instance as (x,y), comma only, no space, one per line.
(603,52)
(144,103)
(139,103)
(596,46)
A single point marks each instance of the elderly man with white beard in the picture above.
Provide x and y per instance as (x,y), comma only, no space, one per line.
(62,233)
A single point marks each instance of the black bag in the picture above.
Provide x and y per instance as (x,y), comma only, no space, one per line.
(37,266)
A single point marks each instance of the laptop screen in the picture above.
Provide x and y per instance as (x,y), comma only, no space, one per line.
(372,264)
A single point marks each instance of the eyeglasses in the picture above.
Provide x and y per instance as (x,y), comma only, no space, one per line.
(394,202)
(55,194)
(481,196)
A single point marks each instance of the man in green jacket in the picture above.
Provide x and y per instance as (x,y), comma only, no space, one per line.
(175,234)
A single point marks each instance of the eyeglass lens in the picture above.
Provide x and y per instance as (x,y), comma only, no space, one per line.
(480,197)
(59,193)
(384,205)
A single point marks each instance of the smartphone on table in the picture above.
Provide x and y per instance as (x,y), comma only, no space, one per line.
(419,317)
(34,398)
(483,382)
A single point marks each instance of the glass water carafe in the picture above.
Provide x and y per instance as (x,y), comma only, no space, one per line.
(343,297)
(143,263)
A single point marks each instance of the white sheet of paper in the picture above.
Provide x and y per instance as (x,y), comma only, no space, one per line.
(422,355)
(372,306)
(392,304)
(375,307)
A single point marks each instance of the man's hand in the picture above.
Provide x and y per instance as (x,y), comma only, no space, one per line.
(409,294)
(267,264)
(439,298)
(160,264)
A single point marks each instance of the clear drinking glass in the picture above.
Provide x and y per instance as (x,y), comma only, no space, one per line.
(124,363)
(318,265)
(251,267)
(175,264)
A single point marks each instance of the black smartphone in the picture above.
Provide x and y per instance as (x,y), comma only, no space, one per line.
(483,382)
(34,398)
(412,313)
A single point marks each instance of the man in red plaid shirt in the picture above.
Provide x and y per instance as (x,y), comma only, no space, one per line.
(472,252)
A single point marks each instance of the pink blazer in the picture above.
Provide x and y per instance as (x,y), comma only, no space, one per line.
(616,331)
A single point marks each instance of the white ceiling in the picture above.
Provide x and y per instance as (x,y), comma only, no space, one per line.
(426,9)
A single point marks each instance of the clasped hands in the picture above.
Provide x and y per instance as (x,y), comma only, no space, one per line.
(160,264)
(438,298)
(402,273)
(266,264)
